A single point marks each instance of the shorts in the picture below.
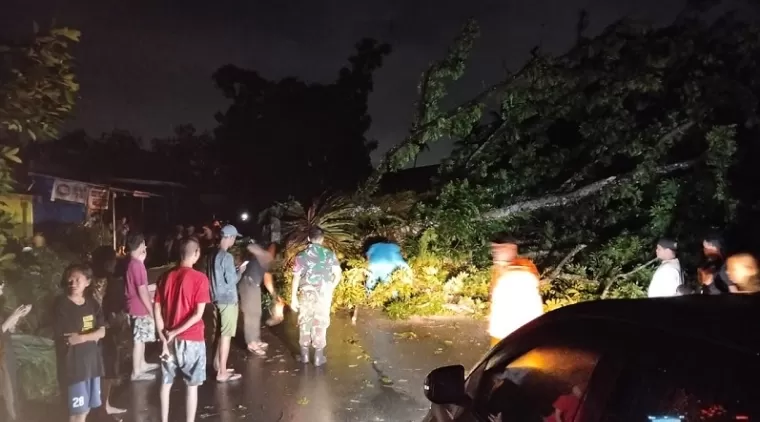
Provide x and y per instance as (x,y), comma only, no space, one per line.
(188,357)
(143,329)
(228,318)
(84,396)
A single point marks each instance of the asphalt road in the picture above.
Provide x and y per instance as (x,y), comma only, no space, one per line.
(374,372)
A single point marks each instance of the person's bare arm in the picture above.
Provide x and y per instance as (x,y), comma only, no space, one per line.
(75,338)
(262,255)
(144,294)
(159,319)
(10,323)
(558,415)
(269,284)
(337,274)
(192,320)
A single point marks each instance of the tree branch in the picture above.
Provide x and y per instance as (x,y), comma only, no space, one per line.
(608,286)
(385,165)
(558,200)
(555,272)
(679,130)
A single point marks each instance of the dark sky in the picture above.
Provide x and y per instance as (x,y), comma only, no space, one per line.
(146,65)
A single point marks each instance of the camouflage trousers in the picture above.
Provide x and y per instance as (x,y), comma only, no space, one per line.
(313,318)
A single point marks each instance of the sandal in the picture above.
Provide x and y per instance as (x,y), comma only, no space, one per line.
(257,350)
(229,377)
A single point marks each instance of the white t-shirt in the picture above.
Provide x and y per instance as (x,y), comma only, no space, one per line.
(666,279)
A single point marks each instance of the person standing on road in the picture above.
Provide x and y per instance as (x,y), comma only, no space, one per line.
(315,274)
(515,296)
(668,276)
(78,326)
(181,298)
(255,272)
(139,307)
(224,281)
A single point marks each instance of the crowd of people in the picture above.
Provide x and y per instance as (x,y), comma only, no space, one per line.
(209,285)
(205,286)
(516,298)
(716,274)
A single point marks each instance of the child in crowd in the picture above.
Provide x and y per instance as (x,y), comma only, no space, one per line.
(78,326)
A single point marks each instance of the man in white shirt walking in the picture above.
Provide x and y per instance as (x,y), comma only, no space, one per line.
(668,277)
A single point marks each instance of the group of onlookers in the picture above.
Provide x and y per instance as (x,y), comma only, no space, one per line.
(89,324)
(716,273)
(516,298)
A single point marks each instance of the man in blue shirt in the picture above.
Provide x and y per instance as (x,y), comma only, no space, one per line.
(383,259)
(224,294)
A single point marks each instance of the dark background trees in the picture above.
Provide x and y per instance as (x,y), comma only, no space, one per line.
(293,138)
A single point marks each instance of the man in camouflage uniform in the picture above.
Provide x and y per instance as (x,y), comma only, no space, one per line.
(315,275)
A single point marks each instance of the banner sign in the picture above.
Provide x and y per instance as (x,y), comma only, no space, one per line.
(97,199)
(66,190)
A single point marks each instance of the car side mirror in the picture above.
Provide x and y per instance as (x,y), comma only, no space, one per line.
(445,385)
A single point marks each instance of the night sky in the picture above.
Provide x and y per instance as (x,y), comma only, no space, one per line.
(146,65)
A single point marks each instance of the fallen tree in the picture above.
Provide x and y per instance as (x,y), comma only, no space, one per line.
(636,133)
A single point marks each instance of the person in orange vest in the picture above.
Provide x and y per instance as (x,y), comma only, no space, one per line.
(515,296)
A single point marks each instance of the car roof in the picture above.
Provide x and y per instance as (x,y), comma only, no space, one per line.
(729,319)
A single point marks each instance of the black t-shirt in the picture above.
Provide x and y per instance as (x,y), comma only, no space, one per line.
(254,272)
(82,361)
(721,282)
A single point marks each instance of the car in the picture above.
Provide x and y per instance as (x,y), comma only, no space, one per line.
(689,358)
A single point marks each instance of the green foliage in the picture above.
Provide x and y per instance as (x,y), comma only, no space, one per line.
(37,84)
(635,131)
(333,214)
(36,367)
(431,123)
(37,92)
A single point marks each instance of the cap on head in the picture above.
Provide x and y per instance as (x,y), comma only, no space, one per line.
(230,231)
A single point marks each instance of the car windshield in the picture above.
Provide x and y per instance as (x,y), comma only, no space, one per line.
(534,385)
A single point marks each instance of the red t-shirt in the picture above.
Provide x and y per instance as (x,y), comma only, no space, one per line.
(568,405)
(179,293)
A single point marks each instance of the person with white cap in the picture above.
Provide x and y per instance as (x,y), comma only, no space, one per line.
(224,294)
(668,277)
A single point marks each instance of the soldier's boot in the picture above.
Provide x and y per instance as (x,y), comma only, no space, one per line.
(304,358)
(319,357)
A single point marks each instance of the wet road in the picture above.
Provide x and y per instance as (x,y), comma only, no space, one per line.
(374,372)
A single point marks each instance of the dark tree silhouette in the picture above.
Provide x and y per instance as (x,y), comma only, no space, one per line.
(292,138)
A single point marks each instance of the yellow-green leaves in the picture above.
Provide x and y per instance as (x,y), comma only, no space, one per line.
(10,154)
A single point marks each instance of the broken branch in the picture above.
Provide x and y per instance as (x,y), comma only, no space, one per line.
(559,200)
(555,272)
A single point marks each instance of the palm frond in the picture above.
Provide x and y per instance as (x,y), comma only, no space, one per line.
(333,214)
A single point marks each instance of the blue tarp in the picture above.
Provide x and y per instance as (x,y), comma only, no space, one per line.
(382,260)
(46,211)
